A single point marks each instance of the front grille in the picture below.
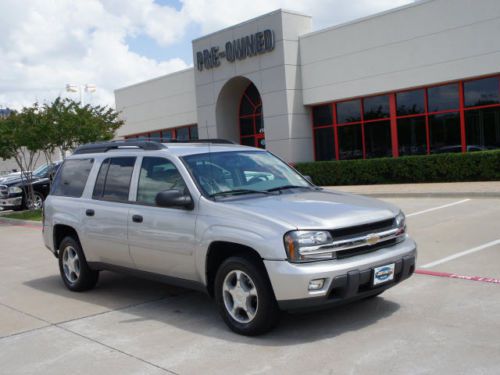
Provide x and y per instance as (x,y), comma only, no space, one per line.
(359,230)
(364,249)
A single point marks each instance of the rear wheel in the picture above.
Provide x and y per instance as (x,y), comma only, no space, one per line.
(244,297)
(75,272)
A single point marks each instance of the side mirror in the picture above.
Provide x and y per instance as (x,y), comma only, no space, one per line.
(309,179)
(174,198)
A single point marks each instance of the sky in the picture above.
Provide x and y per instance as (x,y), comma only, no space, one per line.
(47,44)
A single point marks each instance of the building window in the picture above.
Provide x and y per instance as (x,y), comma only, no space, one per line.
(376,107)
(378,139)
(156,136)
(412,136)
(443,98)
(350,142)
(322,115)
(251,119)
(183,133)
(444,130)
(455,117)
(481,92)
(324,141)
(482,129)
(410,102)
(348,112)
(324,138)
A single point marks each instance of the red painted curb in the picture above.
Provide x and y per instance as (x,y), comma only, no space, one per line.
(455,276)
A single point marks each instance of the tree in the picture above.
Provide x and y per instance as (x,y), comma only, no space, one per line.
(60,126)
(69,125)
(22,137)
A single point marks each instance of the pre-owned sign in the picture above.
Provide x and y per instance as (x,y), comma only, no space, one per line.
(239,49)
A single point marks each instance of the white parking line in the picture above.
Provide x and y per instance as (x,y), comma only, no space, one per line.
(438,208)
(461,254)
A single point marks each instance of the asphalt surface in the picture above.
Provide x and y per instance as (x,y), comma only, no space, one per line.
(432,323)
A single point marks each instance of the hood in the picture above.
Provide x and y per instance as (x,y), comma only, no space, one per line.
(16,180)
(323,209)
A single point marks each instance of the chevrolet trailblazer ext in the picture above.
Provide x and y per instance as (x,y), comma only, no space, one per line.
(234,221)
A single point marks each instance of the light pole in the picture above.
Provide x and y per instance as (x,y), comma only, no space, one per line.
(90,88)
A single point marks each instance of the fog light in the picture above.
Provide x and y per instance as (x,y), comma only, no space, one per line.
(316,284)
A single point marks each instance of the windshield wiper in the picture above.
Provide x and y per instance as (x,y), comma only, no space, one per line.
(286,187)
(239,192)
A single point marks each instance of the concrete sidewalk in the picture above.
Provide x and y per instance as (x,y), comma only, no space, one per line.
(482,189)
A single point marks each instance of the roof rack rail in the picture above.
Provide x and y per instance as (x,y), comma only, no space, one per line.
(91,148)
(212,140)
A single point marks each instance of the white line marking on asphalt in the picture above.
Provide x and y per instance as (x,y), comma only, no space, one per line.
(461,254)
(438,208)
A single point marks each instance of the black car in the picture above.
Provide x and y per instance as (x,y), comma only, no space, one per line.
(13,188)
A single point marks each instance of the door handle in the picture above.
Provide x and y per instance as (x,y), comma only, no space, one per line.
(137,218)
(90,212)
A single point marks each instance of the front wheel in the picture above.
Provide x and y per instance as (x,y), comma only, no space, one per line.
(244,297)
(75,272)
(36,203)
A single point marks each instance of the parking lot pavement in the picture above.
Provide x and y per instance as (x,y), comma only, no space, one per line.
(428,324)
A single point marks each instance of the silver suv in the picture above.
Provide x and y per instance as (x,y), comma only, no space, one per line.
(234,221)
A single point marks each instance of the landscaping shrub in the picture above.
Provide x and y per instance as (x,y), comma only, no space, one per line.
(471,166)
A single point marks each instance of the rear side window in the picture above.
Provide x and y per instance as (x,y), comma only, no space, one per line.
(71,179)
(113,180)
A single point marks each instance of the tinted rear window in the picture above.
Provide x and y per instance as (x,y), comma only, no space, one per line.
(113,180)
(71,179)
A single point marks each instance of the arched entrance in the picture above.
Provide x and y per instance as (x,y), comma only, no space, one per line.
(238,113)
(251,122)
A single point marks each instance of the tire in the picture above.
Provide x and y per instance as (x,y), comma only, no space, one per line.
(37,201)
(244,297)
(75,272)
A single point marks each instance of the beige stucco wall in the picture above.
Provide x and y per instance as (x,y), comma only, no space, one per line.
(163,102)
(423,43)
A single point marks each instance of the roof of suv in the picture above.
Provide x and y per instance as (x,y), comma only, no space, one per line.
(175,148)
(181,149)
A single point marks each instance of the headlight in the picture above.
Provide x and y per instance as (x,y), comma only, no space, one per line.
(401,224)
(303,246)
(15,190)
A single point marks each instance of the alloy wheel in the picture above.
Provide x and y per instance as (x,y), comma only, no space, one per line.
(71,264)
(240,296)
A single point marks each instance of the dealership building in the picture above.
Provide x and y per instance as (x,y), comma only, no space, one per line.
(419,79)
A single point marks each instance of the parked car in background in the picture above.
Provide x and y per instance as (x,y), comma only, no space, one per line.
(234,221)
(14,187)
(458,148)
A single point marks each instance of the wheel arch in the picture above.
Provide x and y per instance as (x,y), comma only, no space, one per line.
(61,231)
(219,251)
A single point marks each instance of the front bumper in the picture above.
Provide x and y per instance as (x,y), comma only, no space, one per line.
(346,280)
(11,202)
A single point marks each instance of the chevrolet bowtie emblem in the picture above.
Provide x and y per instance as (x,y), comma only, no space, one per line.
(372,239)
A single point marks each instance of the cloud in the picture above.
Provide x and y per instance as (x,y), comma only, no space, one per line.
(212,15)
(46,44)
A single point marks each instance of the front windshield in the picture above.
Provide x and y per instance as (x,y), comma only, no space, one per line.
(221,173)
(41,171)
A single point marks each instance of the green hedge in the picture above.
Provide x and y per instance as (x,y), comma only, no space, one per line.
(472,166)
